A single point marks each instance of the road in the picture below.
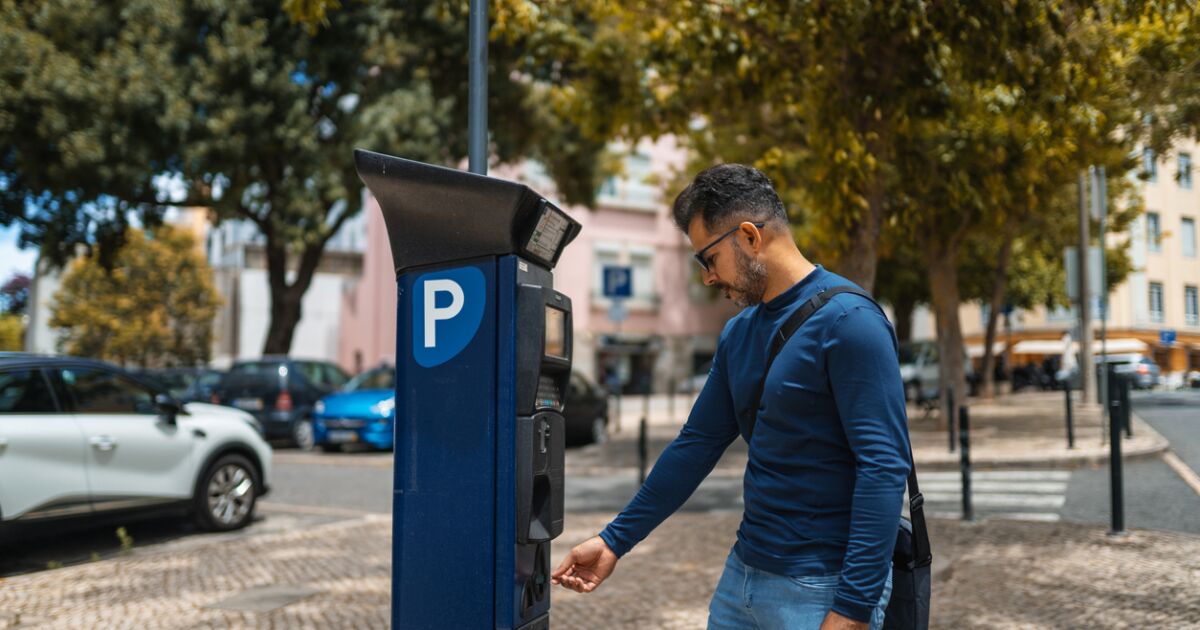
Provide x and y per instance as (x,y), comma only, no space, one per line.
(315,488)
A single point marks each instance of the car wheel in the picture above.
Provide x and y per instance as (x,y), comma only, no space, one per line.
(599,431)
(302,434)
(226,494)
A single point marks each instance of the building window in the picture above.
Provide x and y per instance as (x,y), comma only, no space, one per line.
(1187,237)
(1156,302)
(642,262)
(1185,170)
(1153,232)
(1149,166)
(606,256)
(1191,306)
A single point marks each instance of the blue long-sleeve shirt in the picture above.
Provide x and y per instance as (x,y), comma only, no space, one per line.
(828,459)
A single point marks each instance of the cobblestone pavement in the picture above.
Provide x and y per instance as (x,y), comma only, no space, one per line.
(1001,575)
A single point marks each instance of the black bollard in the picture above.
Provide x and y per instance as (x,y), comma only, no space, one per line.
(964,440)
(1126,383)
(642,452)
(1116,479)
(950,417)
(1070,418)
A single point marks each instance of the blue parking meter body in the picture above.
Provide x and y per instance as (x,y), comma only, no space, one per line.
(483,358)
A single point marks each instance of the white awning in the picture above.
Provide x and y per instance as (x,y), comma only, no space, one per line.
(1055,346)
(975,350)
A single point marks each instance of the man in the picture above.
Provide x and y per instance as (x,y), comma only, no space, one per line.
(828,456)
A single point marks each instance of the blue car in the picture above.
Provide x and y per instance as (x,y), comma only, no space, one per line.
(363,412)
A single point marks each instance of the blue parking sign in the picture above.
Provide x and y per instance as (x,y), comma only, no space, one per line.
(618,281)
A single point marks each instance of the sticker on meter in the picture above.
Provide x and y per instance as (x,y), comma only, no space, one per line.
(447,309)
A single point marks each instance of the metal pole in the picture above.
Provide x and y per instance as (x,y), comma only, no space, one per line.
(1126,405)
(642,452)
(1100,208)
(964,438)
(950,417)
(1116,477)
(1070,418)
(477,149)
(1087,369)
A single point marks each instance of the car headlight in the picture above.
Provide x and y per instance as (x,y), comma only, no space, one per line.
(319,407)
(384,407)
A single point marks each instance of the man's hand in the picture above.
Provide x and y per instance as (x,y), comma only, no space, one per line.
(834,621)
(586,566)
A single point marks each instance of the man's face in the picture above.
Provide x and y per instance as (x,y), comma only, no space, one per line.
(733,266)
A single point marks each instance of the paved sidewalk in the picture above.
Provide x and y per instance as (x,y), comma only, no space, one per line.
(1025,430)
(996,574)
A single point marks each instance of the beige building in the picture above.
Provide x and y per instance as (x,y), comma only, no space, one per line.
(1159,299)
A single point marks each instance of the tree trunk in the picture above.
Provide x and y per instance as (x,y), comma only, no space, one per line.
(999,283)
(858,263)
(287,299)
(903,314)
(943,285)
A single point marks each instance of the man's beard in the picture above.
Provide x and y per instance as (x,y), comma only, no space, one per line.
(751,281)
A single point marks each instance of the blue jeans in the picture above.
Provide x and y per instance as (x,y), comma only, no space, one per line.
(747,598)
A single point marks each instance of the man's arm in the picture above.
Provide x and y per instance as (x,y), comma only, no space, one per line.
(865,378)
(710,428)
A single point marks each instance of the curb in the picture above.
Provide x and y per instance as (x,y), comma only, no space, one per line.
(1085,458)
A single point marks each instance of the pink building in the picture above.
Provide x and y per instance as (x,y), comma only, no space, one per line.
(672,323)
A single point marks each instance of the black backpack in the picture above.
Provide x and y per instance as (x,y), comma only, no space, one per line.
(908,607)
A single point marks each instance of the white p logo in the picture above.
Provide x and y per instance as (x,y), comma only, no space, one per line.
(433,314)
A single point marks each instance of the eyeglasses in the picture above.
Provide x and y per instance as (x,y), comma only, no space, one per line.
(703,259)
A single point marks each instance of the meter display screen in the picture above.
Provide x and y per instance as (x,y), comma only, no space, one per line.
(548,234)
(556,333)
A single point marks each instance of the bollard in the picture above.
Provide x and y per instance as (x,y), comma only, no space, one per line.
(1116,479)
(950,417)
(642,452)
(1126,405)
(964,440)
(1070,418)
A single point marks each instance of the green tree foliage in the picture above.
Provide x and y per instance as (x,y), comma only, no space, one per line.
(12,333)
(256,114)
(153,308)
(903,130)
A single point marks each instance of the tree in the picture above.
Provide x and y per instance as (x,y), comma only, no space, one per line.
(253,115)
(14,294)
(12,333)
(153,308)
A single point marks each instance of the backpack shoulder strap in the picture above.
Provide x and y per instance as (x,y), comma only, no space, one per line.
(921,551)
(781,336)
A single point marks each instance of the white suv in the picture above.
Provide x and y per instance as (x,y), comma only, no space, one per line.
(79,438)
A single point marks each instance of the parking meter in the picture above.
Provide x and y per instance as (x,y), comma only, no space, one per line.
(483,358)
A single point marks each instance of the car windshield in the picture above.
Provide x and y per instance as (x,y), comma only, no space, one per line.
(175,382)
(256,367)
(379,378)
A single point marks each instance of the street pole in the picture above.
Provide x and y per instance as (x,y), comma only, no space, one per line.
(1100,210)
(1087,375)
(477,149)
(950,417)
(964,437)
(1116,471)
(1070,416)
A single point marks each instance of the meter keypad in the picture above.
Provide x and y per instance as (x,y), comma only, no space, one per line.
(548,395)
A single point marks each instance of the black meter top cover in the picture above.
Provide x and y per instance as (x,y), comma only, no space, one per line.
(436,214)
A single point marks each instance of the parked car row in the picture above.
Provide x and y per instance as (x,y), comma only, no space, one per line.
(82,438)
(1143,372)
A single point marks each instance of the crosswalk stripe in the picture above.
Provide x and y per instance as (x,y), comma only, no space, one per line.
(1039,487)
(999,500)
(997,475)
(1041,517)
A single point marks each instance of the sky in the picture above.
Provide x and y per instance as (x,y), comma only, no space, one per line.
(12,259)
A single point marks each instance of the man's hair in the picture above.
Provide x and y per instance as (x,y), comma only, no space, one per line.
(728,192)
